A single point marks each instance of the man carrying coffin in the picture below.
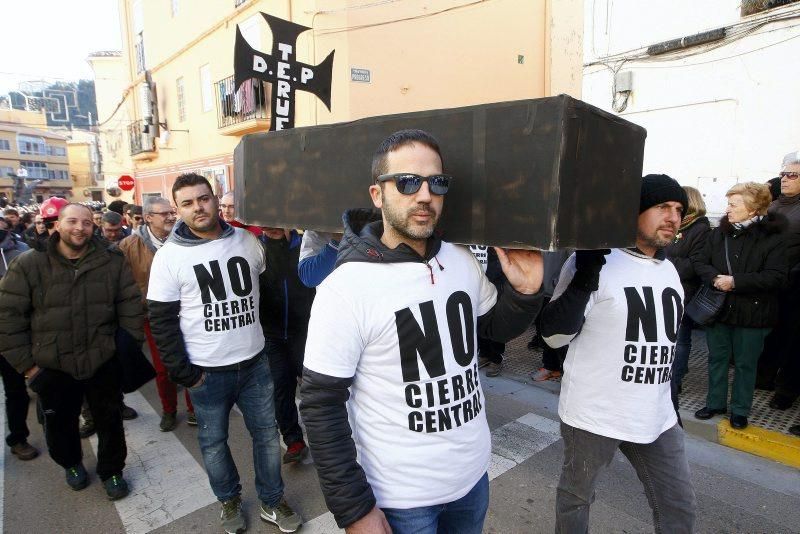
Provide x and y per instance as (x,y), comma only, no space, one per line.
(392,344)
(619,311)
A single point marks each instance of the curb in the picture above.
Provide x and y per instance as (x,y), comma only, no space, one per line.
(765,443)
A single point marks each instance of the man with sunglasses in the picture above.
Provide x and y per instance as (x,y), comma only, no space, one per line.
(140,249)
(36,236)
(779,364)
(393,329)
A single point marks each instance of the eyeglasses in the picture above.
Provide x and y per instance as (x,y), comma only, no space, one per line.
(137,217)
(49,224)
(790,175)
(165,214)
(408,183)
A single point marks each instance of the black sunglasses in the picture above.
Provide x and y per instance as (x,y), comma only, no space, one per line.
(408,183)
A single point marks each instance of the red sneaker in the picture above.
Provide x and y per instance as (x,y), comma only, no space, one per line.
(295,452)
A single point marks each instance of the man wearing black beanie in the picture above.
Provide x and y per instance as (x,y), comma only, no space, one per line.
(619,311)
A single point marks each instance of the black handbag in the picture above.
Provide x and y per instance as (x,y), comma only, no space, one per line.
(136,368)
(708,301)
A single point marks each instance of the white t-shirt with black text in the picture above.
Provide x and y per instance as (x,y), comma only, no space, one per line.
(617,372)
(416,407)
(216,283)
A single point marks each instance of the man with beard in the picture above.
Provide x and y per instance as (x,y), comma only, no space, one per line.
(619,311)
(139,249)
(203,299)
(111,226)
(59,312)
(393,329)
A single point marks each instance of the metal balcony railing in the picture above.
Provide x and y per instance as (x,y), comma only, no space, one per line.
(141,141)
(251,101)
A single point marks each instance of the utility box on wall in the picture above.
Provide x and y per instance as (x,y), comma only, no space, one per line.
(544,173)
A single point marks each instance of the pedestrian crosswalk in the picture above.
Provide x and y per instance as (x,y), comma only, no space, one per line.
(167,482)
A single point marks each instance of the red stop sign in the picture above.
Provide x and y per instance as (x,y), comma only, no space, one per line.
(125,182)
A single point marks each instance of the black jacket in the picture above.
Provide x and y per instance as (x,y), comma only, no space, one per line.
(758,260)
(684,249)
(323,406)
(789,207)
(285,305)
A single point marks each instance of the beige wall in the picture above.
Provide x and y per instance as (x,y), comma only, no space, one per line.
(422,54)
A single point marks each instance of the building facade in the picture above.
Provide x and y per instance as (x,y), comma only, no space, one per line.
(34,164)
(177,111)
(712,81)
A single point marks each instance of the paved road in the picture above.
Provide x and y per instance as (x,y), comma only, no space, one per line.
(737,492)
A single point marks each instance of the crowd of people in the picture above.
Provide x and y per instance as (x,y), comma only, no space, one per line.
(383,328)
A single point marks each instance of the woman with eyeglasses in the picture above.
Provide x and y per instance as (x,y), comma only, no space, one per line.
(779,366)
(744,257)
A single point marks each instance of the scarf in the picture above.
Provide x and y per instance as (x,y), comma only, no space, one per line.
(744,224)
(158,243)
(688,220)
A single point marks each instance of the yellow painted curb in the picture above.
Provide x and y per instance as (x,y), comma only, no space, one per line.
(765,443)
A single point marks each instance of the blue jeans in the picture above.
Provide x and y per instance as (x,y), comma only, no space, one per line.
(464,516)
(250,389)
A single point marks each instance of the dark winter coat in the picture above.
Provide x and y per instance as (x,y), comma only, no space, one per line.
(34,239)
(62,316)
(687,247)
(789,207)
(10,248)
(758,260)
(346,489)
(285,305)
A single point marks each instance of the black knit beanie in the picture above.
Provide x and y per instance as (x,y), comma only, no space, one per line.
(658,188)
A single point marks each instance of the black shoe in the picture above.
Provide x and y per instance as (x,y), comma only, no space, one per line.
(765,386)
(795,429)
(116,487)
(707,413)
(780,402)
(77,478)
(86,429)
(24,451)
(168,422)
(738,422)
(128,413)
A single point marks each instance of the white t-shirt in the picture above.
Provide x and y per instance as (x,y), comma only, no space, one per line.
(481,253)
(420,429)
(617,373)
(217,285)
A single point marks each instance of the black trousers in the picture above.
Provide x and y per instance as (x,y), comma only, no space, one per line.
(491,350)
(286,366)
(61,397)
(779,363)
(17,402)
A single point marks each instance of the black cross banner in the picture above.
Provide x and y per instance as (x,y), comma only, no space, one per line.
(282,70)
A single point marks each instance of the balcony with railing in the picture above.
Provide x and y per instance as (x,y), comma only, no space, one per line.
(243,111)
(143,144)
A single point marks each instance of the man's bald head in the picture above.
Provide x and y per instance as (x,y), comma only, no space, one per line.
(226,207)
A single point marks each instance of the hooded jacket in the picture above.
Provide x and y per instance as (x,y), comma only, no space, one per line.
(10,248)
(758,258)
(348,491)
(63,316)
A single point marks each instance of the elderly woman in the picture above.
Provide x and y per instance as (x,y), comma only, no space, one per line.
(689,244)
(751,240)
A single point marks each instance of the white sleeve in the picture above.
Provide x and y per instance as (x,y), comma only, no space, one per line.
(252,242)
(163,285)
(313,242)
(335,342)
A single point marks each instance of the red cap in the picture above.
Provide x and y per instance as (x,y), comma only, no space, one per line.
(52,207)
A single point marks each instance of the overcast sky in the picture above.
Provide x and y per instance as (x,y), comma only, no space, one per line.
(50,39)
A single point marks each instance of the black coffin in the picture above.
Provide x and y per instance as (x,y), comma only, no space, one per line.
(545,173)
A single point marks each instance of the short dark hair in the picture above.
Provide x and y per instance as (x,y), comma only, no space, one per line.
(190,179)
(117,206)
(112,217)
(10,211)
(127,208)
(397,140)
